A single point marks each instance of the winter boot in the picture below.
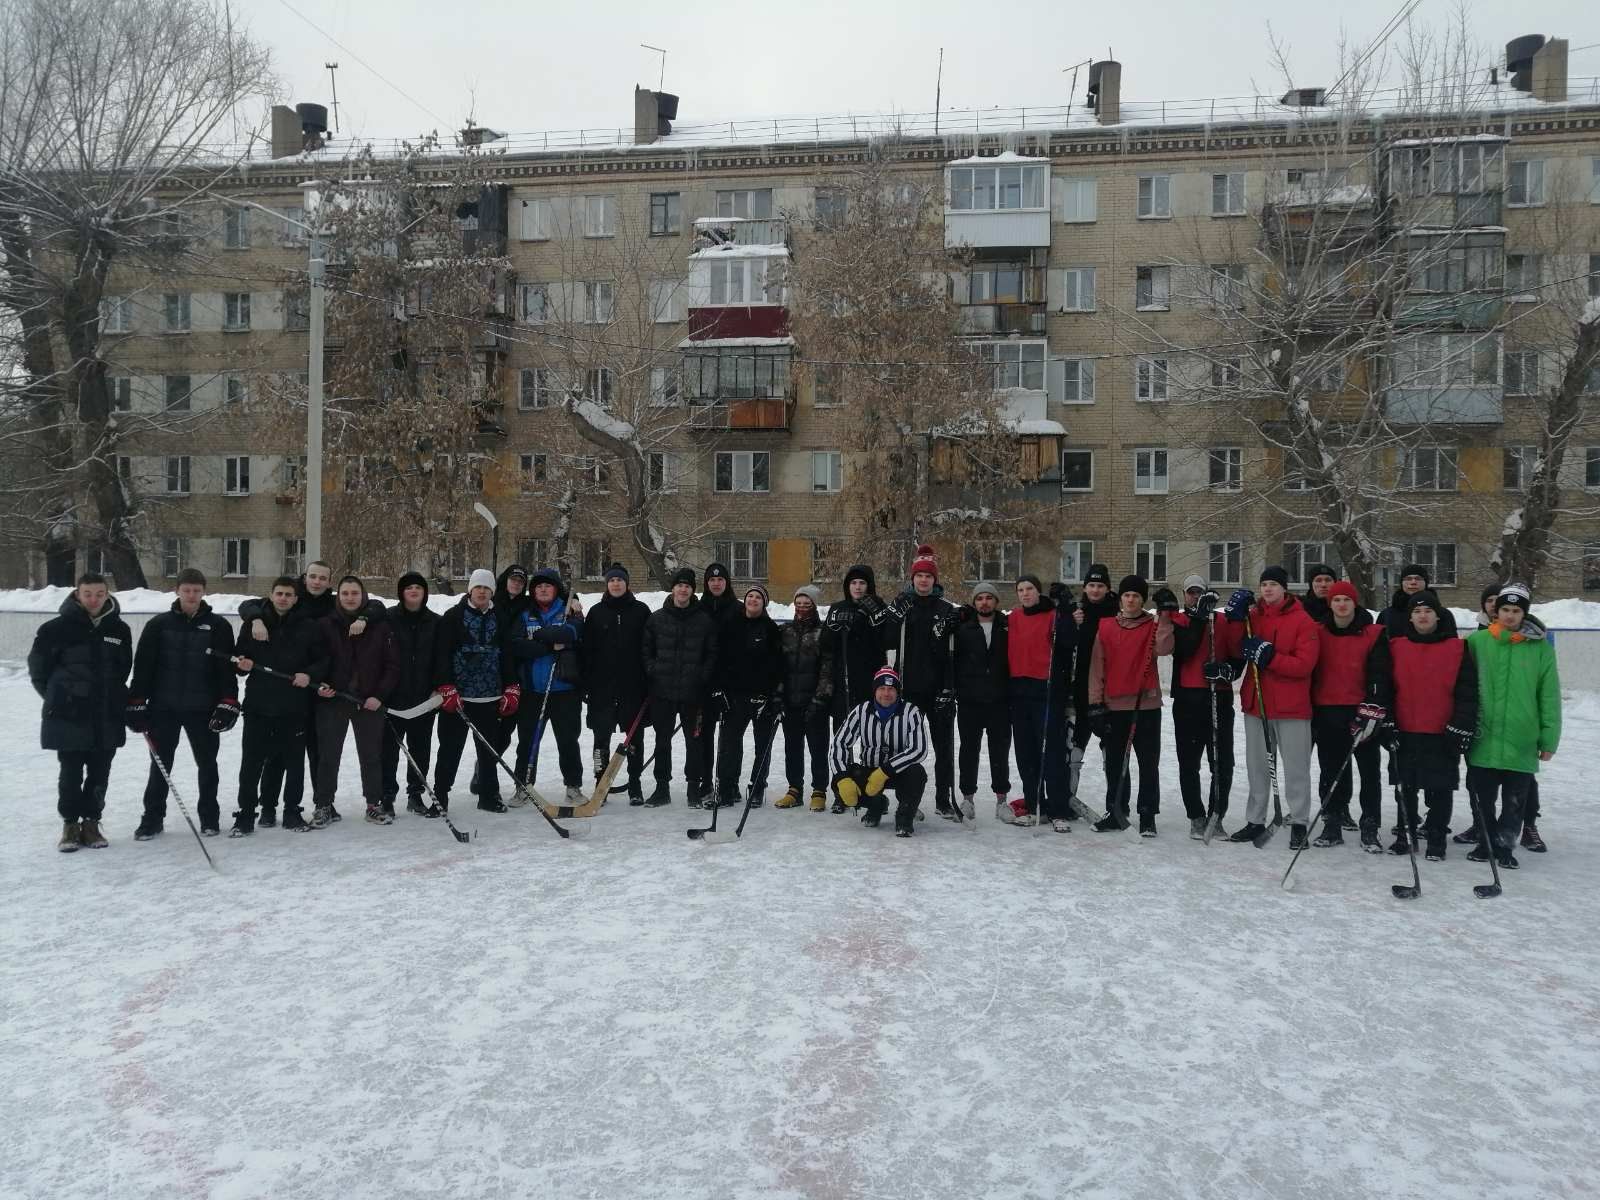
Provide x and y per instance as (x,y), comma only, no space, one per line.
(819,800)
(726,798)
(1248,832)
(1437,842)
(1402,844)
(1112,822)
(1197,829)
(149,827)
(1147,825)
(322,816)
(1297,837)
(293,821)
(941,805)
(1060,825)
(333,814)
(662,796)
(1332,834)
(635,793)
(872,813)
(209,829)
(268,818)
(244,824)
(905,820)
(89,834)
(790,799)
(1531,839)
(1370,842)
(71,837)
(1346,821)
(491,804)
(414,805)
(838,805)
(1468,836)
(758,795)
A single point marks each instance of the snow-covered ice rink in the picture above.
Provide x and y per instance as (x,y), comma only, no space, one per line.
(819,1011)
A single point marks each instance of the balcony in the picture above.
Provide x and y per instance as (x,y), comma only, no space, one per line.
(738,321)
(711,233)
(755,414)
(1471,310)
(1471,404)
(997,200)
(1002,318)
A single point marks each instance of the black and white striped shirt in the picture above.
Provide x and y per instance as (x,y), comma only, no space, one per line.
(894,745)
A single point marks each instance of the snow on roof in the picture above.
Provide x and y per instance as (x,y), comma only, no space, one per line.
(1403,143)
(729,250)
(1349,195)
(989,160)
(724,343)
(1038,428)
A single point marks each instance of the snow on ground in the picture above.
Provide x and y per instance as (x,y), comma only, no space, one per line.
(818,1011)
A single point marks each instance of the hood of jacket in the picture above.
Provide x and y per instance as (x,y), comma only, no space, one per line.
(71,607)
(861,571)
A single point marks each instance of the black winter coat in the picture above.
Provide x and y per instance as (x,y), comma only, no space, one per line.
(80,670)
(983,668)
(852,651)
(612,655)
(921,640)
(801,643)
(414,636)
(505,601)
(749,656)
(1092,612)
(309,607)
(364,666)
(182,664)
(723,607)
(292,645)
(680,653)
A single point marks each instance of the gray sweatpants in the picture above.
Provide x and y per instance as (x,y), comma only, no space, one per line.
(1293,742)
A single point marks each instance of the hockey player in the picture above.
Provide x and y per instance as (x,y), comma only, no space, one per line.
(511,590)
(719,602)
(476,679)
(612,656)
(415,626)
(920,643)
(1345,638)
(1425,687)
(183,684)
(749,691)
(369,667)
(982,674)
(276,711)
(680,660)
(1280,648)
(79,665)
(805,712)
(880,748)
(1315,599)
(852,647)
(1125,698)
(1205,662)
(1519,719)
(545,639)
(1038,655)
(1396,619)
(1093,606)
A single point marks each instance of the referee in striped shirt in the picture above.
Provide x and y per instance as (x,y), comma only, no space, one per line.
(893,738)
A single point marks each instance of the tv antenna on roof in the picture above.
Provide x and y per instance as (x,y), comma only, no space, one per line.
(333,81)
(661,82)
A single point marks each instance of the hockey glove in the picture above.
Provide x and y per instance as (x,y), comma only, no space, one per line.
(1208,601)
(902,603)
(877,781)
(1166,600)
(840,617)
(1220,671)
(224,715)
(945,701)
(1258,651)
(1463,737)
(848,791)
(1098,718)
(719,704)
(1238,604)
(510,699)
(450,699)
(1369,712)
(136,716)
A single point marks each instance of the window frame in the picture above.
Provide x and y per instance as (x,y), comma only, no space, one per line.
(236,227)
(996,355)
(594,556)
(605,226)
(750,198)
(1077,276)
(1228,208)
(177,306)
(235,312)
(525,292)
(1072,189)
(979,554)
(534,388)
(1077,451)
(1230,460)
(1157,206)
(734,460)
(174,555)
(236,475)
(1085,384)
(294,556)
(533,471)
(830,199)
(1521,356)
(116,314)
(666,213)
(664,471)
(236,558)
(1029,177)
(740,556)
(1085,558)
(832,462)
(593,292)
(1154,282)
(1516,463)
(1533,194)
(1441,576)
(1149,371)
(183,404)
(1443,456)
(1147,554)
(1156,455)
(1297,561)
(1232,572)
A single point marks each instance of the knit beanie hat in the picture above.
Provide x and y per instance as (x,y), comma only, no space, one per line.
(1345,588)
(1416,569)
(412,579)
(482,577)
(811,592)
(925,563)
(1195,582)
(1515,594)
(683,575)
(1133,583)
(546,575)
(1275,574)
(1098,573)
(1490,591)
(1426,598)
(616,571)
(716,571)
(988,589)
(886,676)
(1319,569)
(758,590)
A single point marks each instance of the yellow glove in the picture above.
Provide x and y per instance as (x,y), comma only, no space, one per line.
(877,781)
(848,792)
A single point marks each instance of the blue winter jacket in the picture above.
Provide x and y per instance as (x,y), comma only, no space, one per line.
(533,645)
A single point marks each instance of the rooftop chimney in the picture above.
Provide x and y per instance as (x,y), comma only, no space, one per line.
(653,114)
(1105,91)
(287,140)
(1550,72)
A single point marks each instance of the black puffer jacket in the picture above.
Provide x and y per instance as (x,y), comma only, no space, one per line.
(982,665)
(292,645)
(921,640)
(1092,611)
(801,642)
(80,669)
(749,656)
(680,652)
(612,655)
(414,635)
(852,645)
(504,600)
(182,662)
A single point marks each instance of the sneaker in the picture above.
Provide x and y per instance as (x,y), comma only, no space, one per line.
(1026,819)
(243,825)
(819,801)
(1110,823)
(1370,842)
(1531,839)
(1004,812)
(1331,835)
(1248,832)
(1401,845)
(387,804)
(71,838)
(321,816)
(1507,860)
(758,797)
(333,814)
(210,830)
(1197,829)
(1478,854)
(1147,825)
(89,835)
(1060,825)
(838,806)
(1436,847)
(268,818)
(790,799)
(636,797)
(1346,821)
(942,807)
(575,796)
(377,815)
(905,821)
(414,804)
(1467,837)
(491,804)
(293,821)
(661,797)
(969,809)
(1297,837)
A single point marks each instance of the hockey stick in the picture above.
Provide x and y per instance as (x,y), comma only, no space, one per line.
(602,784)
(1485,891)
(1044,733)
(422,777)
(1213,817)
(512,775)
(150,744)
(1261,839)
(529,764)
(433,701)
(1400,890)
(1327,803)
(712,836)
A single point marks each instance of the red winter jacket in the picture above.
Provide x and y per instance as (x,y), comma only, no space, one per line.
(1122,669)
(1193,649)
(1286,679)
(1341,674)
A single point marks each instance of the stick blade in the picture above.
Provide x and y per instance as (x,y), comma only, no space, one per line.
(1266,835)
(718,837)
(1405,891)
(1485,891)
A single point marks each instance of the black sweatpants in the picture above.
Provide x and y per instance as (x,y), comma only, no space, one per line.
(1081,733)
(484,716)
(740,716)
(1441,802)
(664,714)
(608,719)
(1041,739)
(1330,730)
(165,729)
(335,718)
(942,733)
(272,756)
(418,733)
(1145,724)
(1191,729)
(1512,789)
(804,732)
(565,709)
(81,789)
(978,723)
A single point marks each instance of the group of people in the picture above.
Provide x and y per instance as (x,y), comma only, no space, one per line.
(859,696)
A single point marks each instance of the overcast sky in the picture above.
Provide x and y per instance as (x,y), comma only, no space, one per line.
(542,66)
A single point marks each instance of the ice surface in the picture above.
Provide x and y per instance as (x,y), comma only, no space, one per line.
(820,1011)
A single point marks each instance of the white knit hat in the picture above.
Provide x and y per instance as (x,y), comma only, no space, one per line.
(482,577)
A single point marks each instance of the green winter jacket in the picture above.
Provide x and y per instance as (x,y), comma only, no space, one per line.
(1519,698)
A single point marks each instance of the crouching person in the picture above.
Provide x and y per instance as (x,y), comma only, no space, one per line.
(880,747)
(369,667)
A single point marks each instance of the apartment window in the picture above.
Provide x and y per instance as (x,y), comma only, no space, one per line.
(1522,372)
(1227,374)
(116,314)
(666,300)
(1226,563)
(121,389)
(537,218)
(827,559)
(832,208)
(1227,286)
(1152,289)
(1517,464)
(1448,360)
(1076,555)
(1594,181)
(1155,196)
(1300,557)
(294,556)
(1438,559)
(289,473)
(594,556)
(236,475)
(989,189)
(1150,379)
(235,311)
(745,559)
(1077,470)
(178,475)
(1525,183)
(1077,289)
(536,388)
(827,385)
(598,302)
(666,468)
(235,389)
(1295,481)
(1150,560)
(599,216)
(1522,274)
(533,303)
(600,385)
(236,228)
(1227,194)
(827,470)
(665,387)
(727,281)
(297,309)
(1080,200)
(458,558)
(1014,364)
(1077,381)
(664,214)
(292,225)
(742,471)
(1225,469)
(593,472)
(533,470)
(1428,469)
(748,202)
(178,393)
(175,556)
(176,312)
(235,558)
(1150,472)
(533,553)
(991,560)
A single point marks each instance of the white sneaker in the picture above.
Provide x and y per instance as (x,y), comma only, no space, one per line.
(1026,819)
(1061,825)
(968,812)
(575,796)
(1002,812)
